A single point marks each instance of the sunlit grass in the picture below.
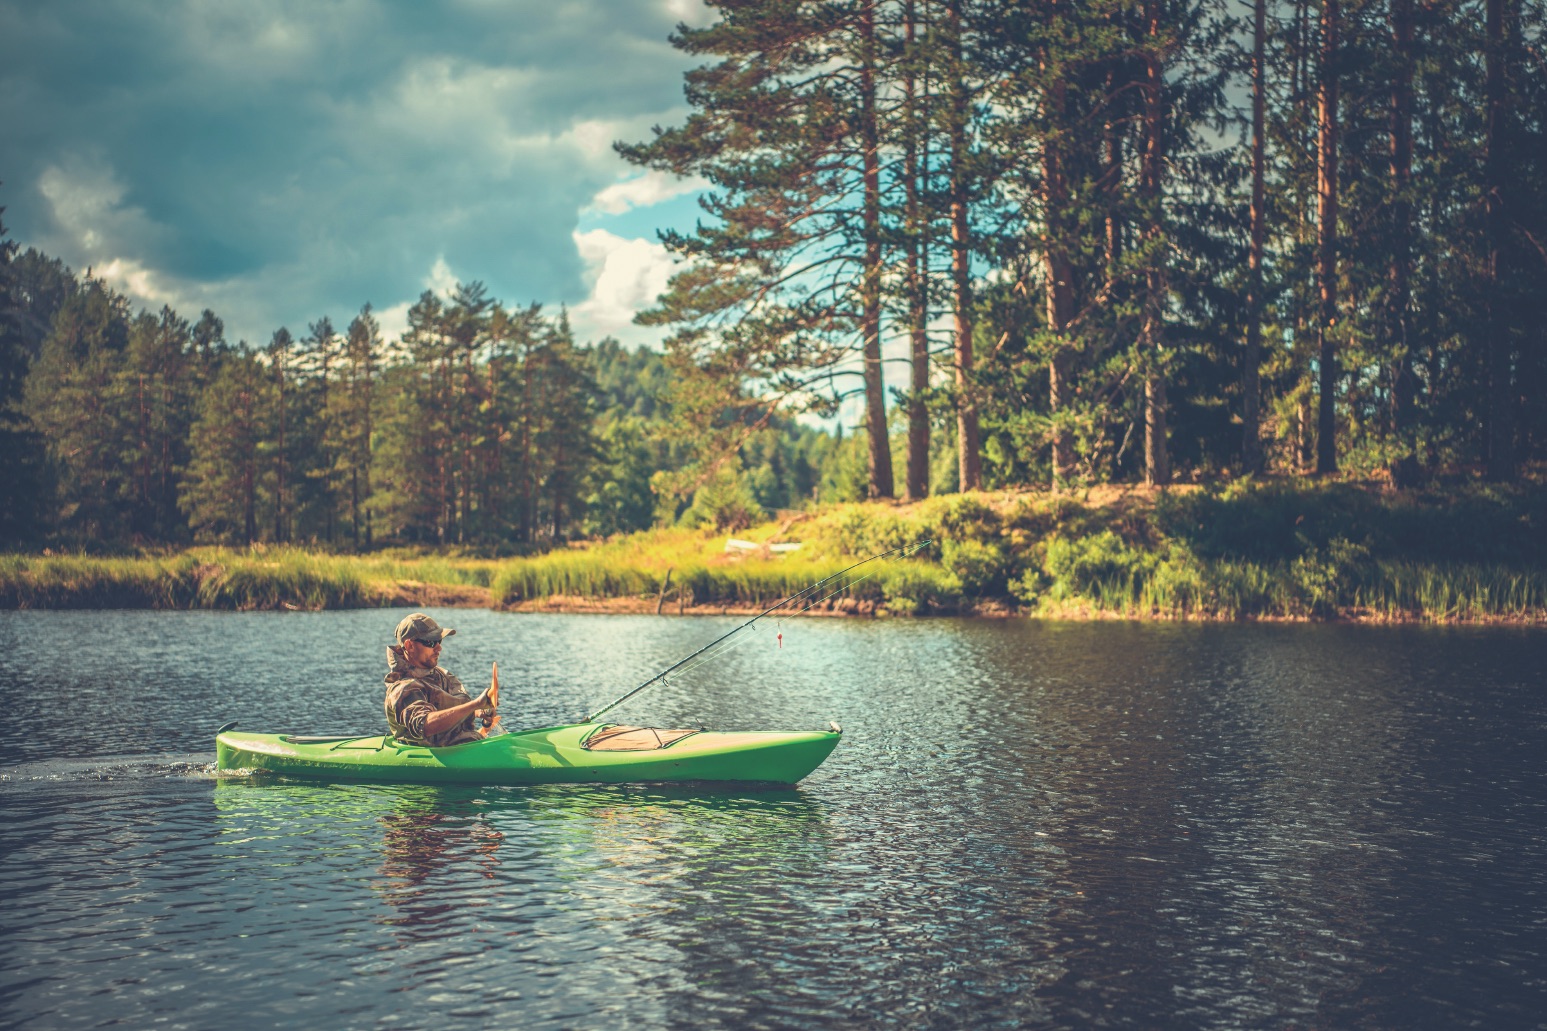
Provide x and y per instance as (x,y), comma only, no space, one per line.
(218,578)
(79,581)
(1315,552)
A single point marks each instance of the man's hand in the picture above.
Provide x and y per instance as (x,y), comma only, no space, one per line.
(489,702)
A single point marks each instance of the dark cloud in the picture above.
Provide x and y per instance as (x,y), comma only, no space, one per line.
(282,160)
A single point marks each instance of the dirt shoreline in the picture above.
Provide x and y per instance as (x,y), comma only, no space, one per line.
(408,593)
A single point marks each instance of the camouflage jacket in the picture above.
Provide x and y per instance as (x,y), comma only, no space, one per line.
(413,692)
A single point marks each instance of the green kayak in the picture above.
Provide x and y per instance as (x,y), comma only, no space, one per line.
(594,753)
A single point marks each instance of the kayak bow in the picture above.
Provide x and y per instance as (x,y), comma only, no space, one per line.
(592,753)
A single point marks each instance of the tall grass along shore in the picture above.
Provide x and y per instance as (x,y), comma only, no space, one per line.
(1246,551)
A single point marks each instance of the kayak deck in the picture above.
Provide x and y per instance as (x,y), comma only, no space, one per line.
(552,755)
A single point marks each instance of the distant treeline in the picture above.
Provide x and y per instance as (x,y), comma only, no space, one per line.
(1121,239)
(484,425)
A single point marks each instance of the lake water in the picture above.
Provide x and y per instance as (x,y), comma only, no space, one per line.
(1026,825)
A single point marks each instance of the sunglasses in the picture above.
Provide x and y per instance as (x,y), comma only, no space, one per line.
(427,644)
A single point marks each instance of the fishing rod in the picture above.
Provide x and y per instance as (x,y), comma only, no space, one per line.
(904,551)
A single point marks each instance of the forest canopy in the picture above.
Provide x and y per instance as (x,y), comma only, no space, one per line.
(1029,243)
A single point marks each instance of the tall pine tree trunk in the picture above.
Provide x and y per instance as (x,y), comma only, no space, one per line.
(916,161)
(1157,454)
(1327,240)
(365,455)
(1113,131)
(1501,421)
(969,458)
(142,522)
(1251,372)
(870,327)
(247,400)
(1059,272)
(283,401)
(1403,467)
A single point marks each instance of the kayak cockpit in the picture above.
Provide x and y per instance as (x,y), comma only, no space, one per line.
(618,737)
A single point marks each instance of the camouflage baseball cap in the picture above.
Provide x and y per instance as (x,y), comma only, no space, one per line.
(421,628)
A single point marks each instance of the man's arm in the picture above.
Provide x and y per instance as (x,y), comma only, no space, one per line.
(442,720)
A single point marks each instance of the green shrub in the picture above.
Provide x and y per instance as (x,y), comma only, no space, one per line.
(963,517)
(1099,568)
(1029,587)
(980,568)
(279,577)
(861,532)
(582,574)
(915,587)
(1329,577)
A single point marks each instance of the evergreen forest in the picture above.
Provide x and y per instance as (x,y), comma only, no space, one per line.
(1031,243)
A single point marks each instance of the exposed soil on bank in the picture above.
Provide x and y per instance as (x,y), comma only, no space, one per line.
(400,593)
(428,595)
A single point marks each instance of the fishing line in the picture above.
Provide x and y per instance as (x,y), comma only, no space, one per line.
(711,656)
(708,650)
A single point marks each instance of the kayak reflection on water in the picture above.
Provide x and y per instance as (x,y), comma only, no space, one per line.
(426,849)
(491,862)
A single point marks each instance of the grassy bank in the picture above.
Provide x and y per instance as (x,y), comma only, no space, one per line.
(1274,551)
(259,578)
(1262,551)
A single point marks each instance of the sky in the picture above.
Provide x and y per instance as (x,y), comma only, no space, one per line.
(281,160)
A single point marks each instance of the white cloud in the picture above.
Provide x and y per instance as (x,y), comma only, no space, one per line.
(393,321)
(441,280)
(263,41)
(280,160)
(135,280)
(642,191)
(625,277)
(696,13)
(85,198)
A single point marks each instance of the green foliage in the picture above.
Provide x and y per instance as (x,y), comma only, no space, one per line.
(845,475)
(864,530)
(915,588)
(980,569)
(1090,558)
(725,502)
(580,574)
(1327,577)
(227,483)
(280,578)
(1100,567)
(79,581)
(283,578)
(1465,523)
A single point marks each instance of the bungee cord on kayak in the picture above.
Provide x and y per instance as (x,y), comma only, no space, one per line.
(708,651)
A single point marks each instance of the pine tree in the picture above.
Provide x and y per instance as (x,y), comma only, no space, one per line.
(1329,71)
(21,448)
(159,383)
(74,394)
(281,354)
(787,127)
(353,418)
(317,435)
(229,481)
(1251,375)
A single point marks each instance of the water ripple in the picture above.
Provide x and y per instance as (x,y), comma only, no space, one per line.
(1026,825)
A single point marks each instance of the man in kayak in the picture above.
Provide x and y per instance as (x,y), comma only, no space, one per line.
(425,704)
